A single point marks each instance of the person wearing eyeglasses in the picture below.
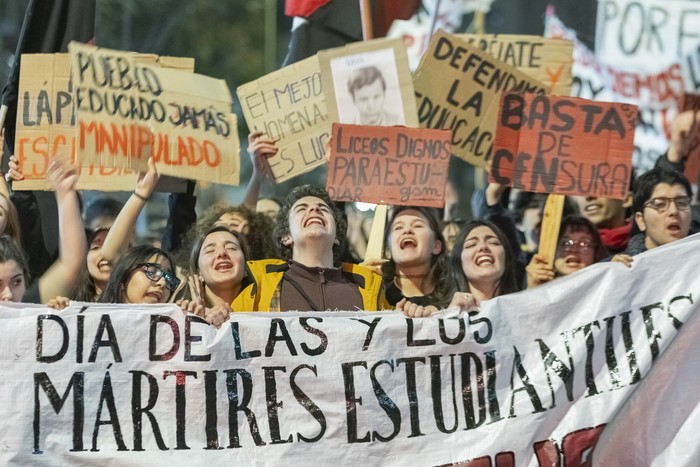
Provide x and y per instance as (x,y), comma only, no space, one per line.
(579,245)
(143,274)
(661,209)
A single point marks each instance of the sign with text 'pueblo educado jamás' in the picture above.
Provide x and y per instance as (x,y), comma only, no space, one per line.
(289,106)
(547,60)
(127,112)
(530,379)
(392,165)
(458,88)
(564,145)
(46,122)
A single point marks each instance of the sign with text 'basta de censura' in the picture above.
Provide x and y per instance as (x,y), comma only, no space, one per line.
(564,145)
(127,112)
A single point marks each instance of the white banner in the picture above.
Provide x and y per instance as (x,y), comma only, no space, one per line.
(530,380)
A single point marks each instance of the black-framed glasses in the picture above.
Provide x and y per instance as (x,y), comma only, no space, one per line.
(570,245)
(662,203)
(154,272)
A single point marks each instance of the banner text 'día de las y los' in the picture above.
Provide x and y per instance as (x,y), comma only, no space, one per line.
(532,378)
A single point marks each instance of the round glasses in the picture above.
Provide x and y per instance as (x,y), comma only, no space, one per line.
(154,272)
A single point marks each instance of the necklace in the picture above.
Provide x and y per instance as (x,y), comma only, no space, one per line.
(410,276)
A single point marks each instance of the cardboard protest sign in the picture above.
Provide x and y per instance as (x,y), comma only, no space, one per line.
(564,145)
(128,111)
(45,127)
(396,165)
(45,123)
(289,106)
(369,83)
(691,143)
(458,88)
(531,377)
(547,60)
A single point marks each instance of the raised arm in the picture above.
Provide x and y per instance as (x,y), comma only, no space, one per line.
(62,277)
(119,236)
(4,188)
(259,149)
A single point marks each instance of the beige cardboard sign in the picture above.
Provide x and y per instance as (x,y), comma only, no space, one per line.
(289,106)
(395,165)
(369,83)
(547,60)
(458,87)
(128,111)
(45,124)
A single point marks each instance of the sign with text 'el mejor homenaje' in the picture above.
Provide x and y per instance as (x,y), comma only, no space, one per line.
(531,379)
(288,106)
(127,112)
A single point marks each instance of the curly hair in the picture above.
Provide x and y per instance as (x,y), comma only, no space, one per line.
(282,221)
(259,236)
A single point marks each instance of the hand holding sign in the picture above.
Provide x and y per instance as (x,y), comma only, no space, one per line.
(260,148)
(147,181)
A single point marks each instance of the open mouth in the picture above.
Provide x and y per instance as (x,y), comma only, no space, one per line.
(314,221)
(573,261)
(592,209)
(104,265)
(674,228)
(223,266)
(484,260)
(408,243)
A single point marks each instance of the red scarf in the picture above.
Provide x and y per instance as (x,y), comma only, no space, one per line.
(616,238)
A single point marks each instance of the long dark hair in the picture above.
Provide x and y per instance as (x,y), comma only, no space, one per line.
(115,292)
(10,251)
(459,282)
(197,248)
(439,264)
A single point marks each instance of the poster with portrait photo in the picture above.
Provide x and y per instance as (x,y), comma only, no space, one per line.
(369,83)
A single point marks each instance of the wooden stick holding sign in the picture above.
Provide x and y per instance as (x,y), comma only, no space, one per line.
(549,232)
(375,243)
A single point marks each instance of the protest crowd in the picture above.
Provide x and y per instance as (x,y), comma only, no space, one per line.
(311,252)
